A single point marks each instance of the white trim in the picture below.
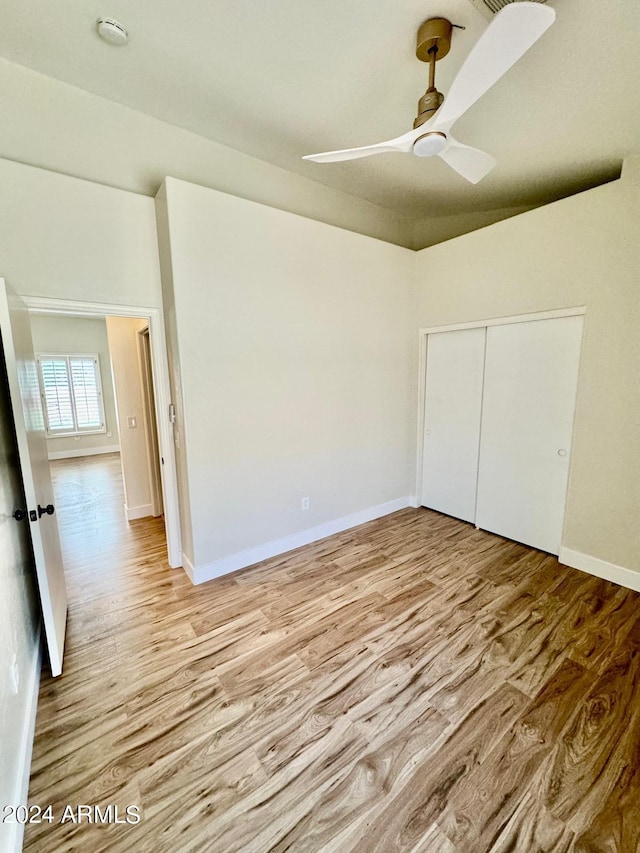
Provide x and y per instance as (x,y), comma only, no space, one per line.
(187,565)
(621,575)
(160,370)
(87,451)
(26,747)
(503,321)
(422,396)
(51,305)
(149,420)
(133,512)
(242,559)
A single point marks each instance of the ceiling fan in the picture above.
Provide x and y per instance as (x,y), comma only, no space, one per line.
(510,34)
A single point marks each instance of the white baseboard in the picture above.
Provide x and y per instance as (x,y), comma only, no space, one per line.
(242,559)
(83,451)
(187,565)
(621,575)
(16,830)
(133,512)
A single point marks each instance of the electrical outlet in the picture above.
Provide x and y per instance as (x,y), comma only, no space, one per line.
(109,434)
(305,504)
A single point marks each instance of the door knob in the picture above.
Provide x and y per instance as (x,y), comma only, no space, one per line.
(49,509)
(20,514)
(562,452)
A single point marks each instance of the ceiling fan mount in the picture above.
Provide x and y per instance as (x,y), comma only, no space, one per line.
(434,42)
(514,29)
(434,34)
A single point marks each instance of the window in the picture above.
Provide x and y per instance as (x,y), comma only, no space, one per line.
(71,394)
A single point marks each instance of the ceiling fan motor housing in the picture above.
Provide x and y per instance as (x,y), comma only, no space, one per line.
(428,104)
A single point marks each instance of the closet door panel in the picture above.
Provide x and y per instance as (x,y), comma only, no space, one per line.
(453,401)
(531,373)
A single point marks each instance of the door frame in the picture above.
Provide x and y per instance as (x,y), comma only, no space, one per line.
(423,334)
(162,393)
(150,420)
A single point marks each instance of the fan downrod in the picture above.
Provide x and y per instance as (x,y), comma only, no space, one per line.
(434,42)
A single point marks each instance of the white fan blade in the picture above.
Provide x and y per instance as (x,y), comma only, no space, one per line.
(515,29)
(402,143)
(471,163)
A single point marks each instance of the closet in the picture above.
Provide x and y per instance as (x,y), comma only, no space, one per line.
(498,417)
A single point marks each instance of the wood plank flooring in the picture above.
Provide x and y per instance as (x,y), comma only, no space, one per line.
(410,685)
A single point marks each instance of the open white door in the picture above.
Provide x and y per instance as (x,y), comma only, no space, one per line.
(26,403)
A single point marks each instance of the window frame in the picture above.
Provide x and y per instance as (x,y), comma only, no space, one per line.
(76,431)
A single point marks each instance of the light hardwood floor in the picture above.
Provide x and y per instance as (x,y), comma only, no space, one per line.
(411,685)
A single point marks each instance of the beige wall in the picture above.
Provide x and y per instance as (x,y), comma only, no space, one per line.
(583,250)
(123,345)
(53,333)
(297,367)
(71,239)
(56,126)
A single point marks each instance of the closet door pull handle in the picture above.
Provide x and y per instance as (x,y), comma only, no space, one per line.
(562,452)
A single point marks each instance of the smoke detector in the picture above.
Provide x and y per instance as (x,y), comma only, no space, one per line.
(112,31)
(488,8)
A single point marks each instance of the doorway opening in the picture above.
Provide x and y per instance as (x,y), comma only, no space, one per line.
(109,438)
(61,395)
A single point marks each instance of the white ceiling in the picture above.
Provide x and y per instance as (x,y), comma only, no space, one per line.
(285,78)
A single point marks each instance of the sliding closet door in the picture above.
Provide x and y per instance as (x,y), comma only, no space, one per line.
(453,402)
(530,384)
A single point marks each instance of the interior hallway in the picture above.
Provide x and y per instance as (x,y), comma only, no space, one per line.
(414,684)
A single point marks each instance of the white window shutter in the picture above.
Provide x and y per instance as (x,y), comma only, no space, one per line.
(57,394)
(86,391)
(71,393)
